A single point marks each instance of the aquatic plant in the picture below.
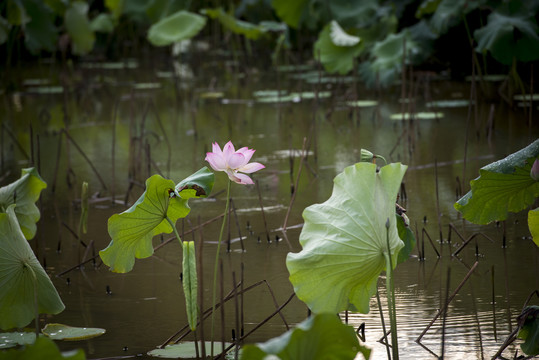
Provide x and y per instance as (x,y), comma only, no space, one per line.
(507,185)
(27,290)
(154,213)
(321,336)
(348,240)
(233,162)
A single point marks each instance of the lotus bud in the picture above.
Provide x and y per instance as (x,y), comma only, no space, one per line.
(534,172)
(366,156)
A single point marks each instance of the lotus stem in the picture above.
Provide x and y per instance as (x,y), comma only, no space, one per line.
(36,305)
(175,231)
(214,291)
(391,297)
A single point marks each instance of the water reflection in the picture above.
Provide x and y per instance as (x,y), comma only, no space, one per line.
(168,129)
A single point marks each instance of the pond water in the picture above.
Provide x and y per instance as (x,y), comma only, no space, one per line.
(131,120)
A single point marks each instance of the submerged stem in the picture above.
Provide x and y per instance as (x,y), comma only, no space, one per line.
(391,297)
(214,291)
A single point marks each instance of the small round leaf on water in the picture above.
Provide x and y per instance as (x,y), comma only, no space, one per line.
(71,333)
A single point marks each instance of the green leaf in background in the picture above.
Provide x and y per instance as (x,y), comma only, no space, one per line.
(335,58)
(24,192)
(16,13)
(321,336)
(40,33)
(116,7)
(79,29)
(12,339)
(290,11)
(132,231)
(503,186)
(448,13)
(189,268)
(529,331)
(533,224)
(179,26)
(186,350)
(103,23)
(160,9)
(20,275)
(43,349)
(344,240)
(240,27)
(71,333)
(386,62)
(4,30)
(196,185)
(510,33)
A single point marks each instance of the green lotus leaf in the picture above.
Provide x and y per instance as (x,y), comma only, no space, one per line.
(321,336)
(189,268)
(503,186)
(335,58)
(78,27)
(24,192)
(450,12)
(249,30)
(21,275)
(510,33)
(529,331)
(344,239)
(71,333)
(179,26)
(40,33)
(160,9)
(12,339)
(186,350)
(4,30)
(132,231)
(103,23)
(533,225)
(196,185)
(43,349)
(290,11)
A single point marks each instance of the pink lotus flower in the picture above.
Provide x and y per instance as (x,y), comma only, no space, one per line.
(233,162)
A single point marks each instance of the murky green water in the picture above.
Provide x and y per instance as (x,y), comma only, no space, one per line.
(174,123)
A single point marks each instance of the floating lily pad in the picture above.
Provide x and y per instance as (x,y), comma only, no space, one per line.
(71,333)
(212,95)
(127,64)
(448,103)
(362,103)
(12,339)
(186,350)
(268,93)
(489,78)
(147,86)
(417,116)
(46,90)
(526,97)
